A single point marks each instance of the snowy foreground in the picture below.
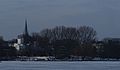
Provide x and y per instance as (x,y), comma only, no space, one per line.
(63,65)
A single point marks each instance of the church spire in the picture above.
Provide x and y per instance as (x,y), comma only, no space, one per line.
(26,28)
(26,37)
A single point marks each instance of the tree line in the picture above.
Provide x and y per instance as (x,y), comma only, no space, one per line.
(63,43)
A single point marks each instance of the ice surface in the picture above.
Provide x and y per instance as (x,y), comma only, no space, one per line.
(63,65)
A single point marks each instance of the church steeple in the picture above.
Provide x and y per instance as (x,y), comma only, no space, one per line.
(26,28)
(26,37)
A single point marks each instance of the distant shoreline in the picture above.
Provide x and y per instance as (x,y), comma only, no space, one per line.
(52,58)
(57,60)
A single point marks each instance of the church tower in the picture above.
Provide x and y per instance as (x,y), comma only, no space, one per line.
(26,37)
(26,29)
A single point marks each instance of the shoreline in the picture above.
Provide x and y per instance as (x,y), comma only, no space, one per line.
(59,60)
(51,58)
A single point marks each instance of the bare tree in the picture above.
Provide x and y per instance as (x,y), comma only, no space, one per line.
(86,34)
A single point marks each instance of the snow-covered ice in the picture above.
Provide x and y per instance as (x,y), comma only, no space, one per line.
(63,65)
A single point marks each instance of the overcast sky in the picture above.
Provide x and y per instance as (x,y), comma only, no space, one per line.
(102,15)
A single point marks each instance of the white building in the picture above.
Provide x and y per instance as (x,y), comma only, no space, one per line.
(18,44)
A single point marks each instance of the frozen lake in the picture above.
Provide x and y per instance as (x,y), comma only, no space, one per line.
(88,65)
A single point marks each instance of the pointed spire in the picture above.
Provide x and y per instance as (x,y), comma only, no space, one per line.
(26,28)
(26,34)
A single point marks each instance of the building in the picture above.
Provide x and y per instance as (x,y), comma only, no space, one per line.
(112,40)
(23,40)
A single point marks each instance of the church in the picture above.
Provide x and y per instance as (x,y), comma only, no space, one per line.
(24,39)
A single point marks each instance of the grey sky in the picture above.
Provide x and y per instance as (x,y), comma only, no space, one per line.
(102,15)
